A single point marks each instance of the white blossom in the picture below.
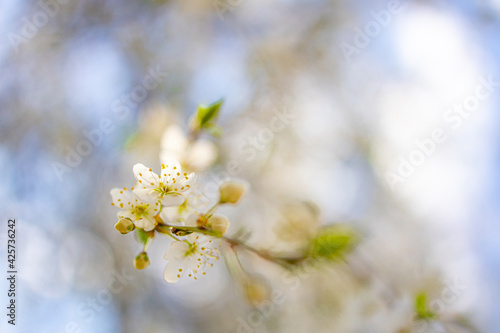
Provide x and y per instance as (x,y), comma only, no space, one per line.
(166,187)
(141,213)
(190,257)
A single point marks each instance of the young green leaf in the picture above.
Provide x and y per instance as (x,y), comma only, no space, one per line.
(206,116)
(333,242)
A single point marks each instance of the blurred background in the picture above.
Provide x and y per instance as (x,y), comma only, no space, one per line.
(389,123)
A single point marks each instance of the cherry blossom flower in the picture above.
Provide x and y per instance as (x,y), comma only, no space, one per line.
(190,257)
(166,187)
(141,213)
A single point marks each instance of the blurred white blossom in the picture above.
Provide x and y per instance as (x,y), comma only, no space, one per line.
(196,156)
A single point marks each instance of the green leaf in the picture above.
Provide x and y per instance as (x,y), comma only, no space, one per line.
(206,116)
(333,242)
(209,113)
(421,308)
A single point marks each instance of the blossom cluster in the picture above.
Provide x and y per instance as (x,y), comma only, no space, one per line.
(144,208)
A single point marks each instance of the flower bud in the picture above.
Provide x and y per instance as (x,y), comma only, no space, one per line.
(218,223)
(124,226)
(256,290)
(141,261)
(231,192)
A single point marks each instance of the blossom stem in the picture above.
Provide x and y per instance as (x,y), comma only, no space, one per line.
(169,233)
(237,257)
(234,264)
(165,228)
(284,262)
(146,244)
(212,210)
(193,135)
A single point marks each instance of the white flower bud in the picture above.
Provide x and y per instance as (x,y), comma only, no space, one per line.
(124,226)
(218,223)
(231,192)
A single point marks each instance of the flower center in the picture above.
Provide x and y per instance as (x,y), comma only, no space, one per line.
(191,250)
(141,210)
(163,189)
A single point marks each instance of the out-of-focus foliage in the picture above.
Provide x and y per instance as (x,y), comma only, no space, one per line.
(333,242)
(422,307)
(205,118)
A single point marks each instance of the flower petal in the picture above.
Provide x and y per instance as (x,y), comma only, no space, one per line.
(196,238)
(146,223)
(125,214)
(147,195)
(169,171)
(122,197)
(196,263)
(177,250)
(184,182)
(145,176)
(170,215)
(192,220)
(170,200)
(174,270)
